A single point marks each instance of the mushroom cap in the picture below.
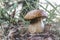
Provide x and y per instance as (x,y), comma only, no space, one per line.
(35,14)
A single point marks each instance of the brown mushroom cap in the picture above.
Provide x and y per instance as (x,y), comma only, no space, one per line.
(35,14)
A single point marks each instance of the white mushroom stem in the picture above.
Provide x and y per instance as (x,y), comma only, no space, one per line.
(37,27)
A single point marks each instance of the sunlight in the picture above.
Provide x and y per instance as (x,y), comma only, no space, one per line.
(53,1)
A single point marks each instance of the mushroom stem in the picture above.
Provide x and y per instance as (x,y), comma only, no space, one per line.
(36,27)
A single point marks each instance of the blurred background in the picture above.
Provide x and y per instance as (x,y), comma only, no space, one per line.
(13,11)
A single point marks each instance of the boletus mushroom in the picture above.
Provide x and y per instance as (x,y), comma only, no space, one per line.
(36,24)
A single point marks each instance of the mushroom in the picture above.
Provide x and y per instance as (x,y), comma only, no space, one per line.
(47,27)
(36,20)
